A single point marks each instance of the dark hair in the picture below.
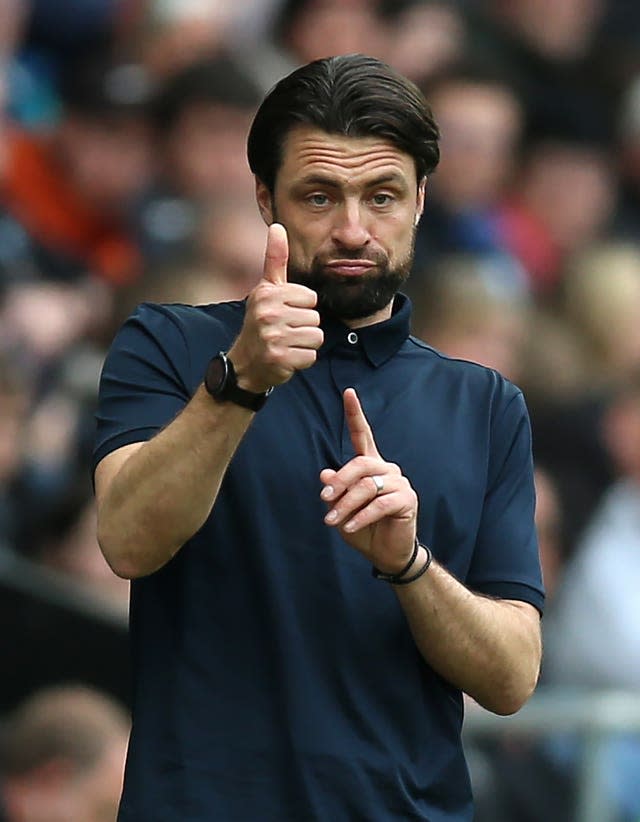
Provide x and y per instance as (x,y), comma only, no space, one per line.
(351,95)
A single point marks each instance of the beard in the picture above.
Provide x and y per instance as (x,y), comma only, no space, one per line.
(353,297)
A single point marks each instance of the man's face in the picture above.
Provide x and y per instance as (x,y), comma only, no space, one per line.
(350,206)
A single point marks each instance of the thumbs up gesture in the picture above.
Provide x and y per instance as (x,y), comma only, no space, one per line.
(280,333)
(370,501)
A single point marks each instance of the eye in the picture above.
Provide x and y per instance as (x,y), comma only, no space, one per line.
(382,199)
(318,199)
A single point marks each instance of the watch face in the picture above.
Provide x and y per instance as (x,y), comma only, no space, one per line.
(216,375)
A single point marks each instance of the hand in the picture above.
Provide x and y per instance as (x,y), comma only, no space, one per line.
(379,524)
(280,333)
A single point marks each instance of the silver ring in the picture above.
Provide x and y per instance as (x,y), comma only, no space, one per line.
(378,481)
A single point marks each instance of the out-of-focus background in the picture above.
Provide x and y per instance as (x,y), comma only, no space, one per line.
(123,178)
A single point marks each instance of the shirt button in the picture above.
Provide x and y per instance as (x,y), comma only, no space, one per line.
(352,337)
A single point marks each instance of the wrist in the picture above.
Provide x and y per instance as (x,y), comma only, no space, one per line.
(246,376)
(221,382)
(419,562)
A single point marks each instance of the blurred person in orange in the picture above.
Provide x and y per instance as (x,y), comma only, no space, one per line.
(72,189)
(62,756)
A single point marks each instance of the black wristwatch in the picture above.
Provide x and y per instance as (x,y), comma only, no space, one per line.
(221,382)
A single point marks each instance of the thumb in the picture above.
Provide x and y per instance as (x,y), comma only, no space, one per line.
(362,438)
(276,255)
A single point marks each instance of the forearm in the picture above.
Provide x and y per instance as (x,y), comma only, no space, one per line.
(488,648)
(165,490)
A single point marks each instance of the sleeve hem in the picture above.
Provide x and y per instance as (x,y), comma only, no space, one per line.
(512,590)
(126,438)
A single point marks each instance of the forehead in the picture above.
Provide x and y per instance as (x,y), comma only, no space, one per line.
(309,152)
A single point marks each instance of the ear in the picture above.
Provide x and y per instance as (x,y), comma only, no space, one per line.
(265,205)
(422,188)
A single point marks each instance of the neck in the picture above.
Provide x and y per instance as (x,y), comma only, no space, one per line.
(372,319)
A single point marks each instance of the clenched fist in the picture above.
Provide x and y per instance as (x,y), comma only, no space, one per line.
(281,331)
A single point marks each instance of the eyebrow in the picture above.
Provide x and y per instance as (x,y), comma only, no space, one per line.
(331,182)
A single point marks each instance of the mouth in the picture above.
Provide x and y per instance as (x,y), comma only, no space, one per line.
(350,268)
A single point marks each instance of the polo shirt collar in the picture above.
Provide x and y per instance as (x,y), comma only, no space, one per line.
(379,341)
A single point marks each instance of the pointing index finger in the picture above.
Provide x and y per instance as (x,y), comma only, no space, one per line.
(276,255)
(361,434)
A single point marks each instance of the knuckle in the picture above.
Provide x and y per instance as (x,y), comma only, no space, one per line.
(270,336)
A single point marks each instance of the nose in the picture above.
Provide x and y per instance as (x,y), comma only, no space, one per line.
(350,229)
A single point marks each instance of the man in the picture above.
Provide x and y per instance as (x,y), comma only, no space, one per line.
(277,678)
(62,757)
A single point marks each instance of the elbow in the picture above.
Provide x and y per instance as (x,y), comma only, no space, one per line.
(514,693)
(125,562)
(121,564)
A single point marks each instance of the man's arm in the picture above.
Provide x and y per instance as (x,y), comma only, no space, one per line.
(490,649)
(153,496)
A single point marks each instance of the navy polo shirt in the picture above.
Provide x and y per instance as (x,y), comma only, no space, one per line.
(275,679)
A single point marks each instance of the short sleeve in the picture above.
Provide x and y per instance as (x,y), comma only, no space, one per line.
(143,385)
(506,561)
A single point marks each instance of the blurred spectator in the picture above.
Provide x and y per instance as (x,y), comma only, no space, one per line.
(595,641)
(425,37)
(601,299)
(231,237)
(480,121)
(71,191)
(472,310)
(177,33)
(311,29)
(562,200)
(69,545)
(546,49)
(521,782)
(627,223)
(201,117)
(40,321)
(62,757)
(592,641)
(12,16)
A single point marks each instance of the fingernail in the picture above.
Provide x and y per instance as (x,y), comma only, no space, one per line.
(350,526)
(331,516)
(327,492)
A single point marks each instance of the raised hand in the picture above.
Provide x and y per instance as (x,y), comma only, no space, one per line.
(370,501)
(281,332)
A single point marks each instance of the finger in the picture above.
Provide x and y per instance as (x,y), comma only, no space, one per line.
(303,317)
(276,255)
(357,497)
(354,471)
(359,429)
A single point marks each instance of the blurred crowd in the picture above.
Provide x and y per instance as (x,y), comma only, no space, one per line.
(123,178)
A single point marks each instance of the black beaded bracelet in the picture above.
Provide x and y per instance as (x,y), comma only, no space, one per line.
(419,573)
(396,579)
